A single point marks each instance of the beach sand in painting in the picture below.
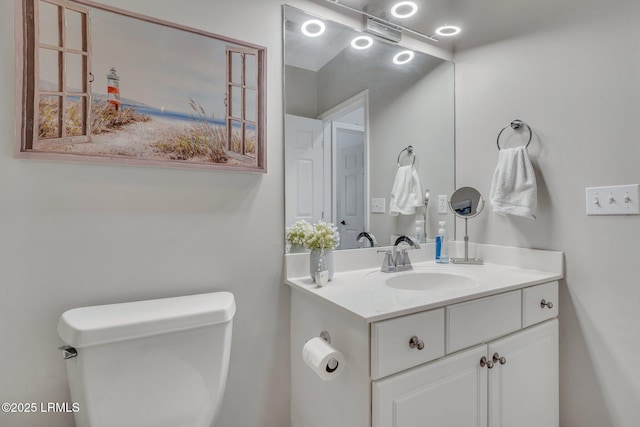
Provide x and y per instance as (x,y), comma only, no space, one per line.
(138,139)
(151,139)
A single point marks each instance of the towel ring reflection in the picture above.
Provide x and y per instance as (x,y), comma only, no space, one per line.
(410,152)
(515,125)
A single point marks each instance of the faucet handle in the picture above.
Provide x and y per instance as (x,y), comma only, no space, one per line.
(403,259)
(388,264)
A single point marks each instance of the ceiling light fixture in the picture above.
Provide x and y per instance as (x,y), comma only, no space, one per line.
(313,28)
(404,9)
(448,30)
(403,57)
(362,42)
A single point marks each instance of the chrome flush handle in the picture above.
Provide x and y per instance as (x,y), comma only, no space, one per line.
(68,352)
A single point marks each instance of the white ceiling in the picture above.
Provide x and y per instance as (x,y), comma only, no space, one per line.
(431,14)
(314,53)
(486,21)
(325,48)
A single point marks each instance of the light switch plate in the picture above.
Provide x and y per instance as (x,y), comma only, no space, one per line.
(378,205)
(613,200)
(442,204)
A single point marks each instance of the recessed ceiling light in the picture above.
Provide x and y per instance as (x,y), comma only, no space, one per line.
(403,57)
(448,30)
(404,9)
(362,42)
(313,28)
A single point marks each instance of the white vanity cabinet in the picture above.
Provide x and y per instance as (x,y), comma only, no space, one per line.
(507,381)
(519,387)
(434,367)
(523,391)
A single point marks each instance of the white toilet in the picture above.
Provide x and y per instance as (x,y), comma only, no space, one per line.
(156,363)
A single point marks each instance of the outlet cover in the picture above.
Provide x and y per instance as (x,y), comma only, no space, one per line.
(613,200)
(443,205)
(378,205)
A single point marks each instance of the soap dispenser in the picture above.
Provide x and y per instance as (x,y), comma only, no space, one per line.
(419,233)
(442,245)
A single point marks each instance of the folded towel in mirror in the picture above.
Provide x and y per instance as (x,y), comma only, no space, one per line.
(406,194)
(513,189)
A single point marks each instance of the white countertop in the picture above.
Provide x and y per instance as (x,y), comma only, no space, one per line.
(364,293)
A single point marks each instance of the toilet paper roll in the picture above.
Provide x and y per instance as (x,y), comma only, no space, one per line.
(323,359)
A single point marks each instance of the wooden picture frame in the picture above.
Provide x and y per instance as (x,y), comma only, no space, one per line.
(101,84)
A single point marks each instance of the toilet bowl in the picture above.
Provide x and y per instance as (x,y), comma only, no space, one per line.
(154,363)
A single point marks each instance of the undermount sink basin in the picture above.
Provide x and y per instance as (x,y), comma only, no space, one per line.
(430,281)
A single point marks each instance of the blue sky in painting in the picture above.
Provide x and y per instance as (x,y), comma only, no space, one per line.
(158,65)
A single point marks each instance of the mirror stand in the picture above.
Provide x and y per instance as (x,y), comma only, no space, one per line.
(466,202)
(466,259)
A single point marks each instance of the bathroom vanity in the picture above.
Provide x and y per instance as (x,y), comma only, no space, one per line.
(441,345)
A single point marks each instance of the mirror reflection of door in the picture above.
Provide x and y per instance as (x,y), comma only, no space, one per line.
(304,180)
(326,169)
(349,172)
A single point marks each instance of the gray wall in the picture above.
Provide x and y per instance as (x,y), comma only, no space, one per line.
(422,115)
(74,234)
(301,92)
(578,86)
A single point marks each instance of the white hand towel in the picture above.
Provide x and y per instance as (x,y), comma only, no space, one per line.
(514,190)
(406,194)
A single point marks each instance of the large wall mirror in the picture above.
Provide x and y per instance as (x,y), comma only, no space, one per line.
(350,111)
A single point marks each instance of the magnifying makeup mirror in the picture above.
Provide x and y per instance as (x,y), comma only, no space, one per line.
(466,202)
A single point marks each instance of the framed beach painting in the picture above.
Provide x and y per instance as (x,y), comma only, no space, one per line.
(103,84)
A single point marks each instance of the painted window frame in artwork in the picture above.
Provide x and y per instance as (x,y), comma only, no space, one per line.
(64,93)
(33,140)
(244,85)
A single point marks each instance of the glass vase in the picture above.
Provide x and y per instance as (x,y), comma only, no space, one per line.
(320,259)
(296,248)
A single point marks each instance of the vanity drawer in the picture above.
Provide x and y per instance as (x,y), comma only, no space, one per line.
(539,303)
(481,320)
(390,342)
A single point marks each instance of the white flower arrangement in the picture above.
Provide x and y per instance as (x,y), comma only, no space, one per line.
(323,236)
(299,232)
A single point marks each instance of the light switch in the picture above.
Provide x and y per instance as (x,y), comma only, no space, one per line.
(613,200)
(378,205)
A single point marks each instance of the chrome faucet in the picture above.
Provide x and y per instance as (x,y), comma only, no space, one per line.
(369,236)
(398,260)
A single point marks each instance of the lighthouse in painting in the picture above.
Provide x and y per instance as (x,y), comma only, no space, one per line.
(113,88)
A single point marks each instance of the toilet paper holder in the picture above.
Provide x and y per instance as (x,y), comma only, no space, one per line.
(325,360)
(325,336)
(333,363)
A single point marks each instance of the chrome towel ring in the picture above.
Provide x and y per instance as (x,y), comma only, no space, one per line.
(515,125)
(410,152)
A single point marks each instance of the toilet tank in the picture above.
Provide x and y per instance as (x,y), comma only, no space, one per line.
(151,363)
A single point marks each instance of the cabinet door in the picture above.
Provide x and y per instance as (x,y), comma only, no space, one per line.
(449,392)
(523,391)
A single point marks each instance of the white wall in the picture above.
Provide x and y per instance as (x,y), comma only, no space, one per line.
(579,88)
(74,234)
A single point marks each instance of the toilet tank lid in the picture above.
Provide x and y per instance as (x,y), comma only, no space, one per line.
(88,326)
